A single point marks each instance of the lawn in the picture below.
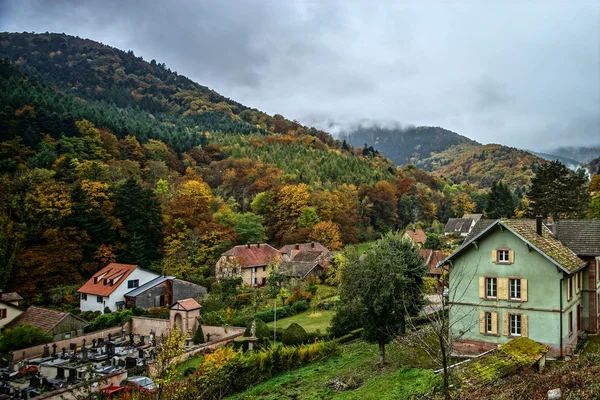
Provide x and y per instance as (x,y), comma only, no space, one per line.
(397,380)
(309,321)
(593,345)
(362,247)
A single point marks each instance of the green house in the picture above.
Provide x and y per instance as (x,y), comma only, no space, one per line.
(525,278)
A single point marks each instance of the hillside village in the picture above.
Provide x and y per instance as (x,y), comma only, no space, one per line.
(161,241)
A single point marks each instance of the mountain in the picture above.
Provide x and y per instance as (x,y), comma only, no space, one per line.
(583,154)
(593,166)
(569,162)
(480,166)
(405,145)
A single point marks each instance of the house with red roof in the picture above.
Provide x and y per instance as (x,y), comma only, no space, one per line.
(249,262)
(417,236)
(107,288)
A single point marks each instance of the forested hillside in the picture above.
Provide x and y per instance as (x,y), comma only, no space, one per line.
(480,166)
(593,166)
(583,154)
(88,179)
(405,145)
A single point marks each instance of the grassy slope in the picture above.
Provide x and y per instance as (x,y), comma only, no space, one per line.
(359,360)
(309,321)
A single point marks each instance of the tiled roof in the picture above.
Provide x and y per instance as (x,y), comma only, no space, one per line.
(11,296)
(418,236)
(108,279)
(479,227)
(252,255)
(458,225)
(431,258)
(546,243)
(188,304)
(43,318)
(476,217)
(297,268)
(309,256)
(581,236)
(292,249)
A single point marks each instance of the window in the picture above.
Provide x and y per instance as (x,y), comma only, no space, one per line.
(3,312)
(503,256)
(132,284)
(515,289)
(264,269)
(491,288)
(159,301)
(580,281)
(570,323)
(515,325)
(488,323)
(84,296)
(254,281)
(570,289)
(99,299)
(68,335)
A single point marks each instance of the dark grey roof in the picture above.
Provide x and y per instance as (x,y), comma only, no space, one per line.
(581,236)
(148,285)
(458,225)
(10,296)
(478,228)
(308,256)
(297,268)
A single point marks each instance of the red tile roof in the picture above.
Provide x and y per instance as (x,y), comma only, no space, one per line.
(188,304)
(108,279)
(252,255)
(43,318)
(418,236)
(431,258)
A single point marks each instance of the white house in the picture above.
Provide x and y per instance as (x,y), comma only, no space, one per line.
(108,286)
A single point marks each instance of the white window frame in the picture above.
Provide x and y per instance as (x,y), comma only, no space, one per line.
(491,285)
(500,256)
(488,323)
(515,324)
(513,285)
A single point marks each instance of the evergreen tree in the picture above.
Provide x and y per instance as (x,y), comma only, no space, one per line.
(500,202)
(198,336)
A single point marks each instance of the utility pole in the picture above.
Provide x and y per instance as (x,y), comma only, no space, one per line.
(275,322)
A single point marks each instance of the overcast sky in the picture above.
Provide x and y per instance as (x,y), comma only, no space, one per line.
(521,73)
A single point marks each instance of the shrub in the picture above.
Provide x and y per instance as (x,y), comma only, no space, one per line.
(268,315)
(109,320)
(430,285)
(263,332)
(299,295)
(312,288)
(211,304)
(22,337)
(158,312)
(242,299)
(198,336)
(299,306)
(189,371)
(294,335)
(137,311)
(107,310)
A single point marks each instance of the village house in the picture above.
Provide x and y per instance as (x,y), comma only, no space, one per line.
(61,325)
(461,227)
(248,262)
(432,259)
(107,288)
(290,251)
(417,236)
(9,307)
(524,278)
(163,291)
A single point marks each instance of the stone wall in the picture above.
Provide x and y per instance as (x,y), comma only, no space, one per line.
(187,290)
(143,326)
(73,392)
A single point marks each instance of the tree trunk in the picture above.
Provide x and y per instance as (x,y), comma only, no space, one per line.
(381,353)
(443,350)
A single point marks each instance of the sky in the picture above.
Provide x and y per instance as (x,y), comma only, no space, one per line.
(521,73)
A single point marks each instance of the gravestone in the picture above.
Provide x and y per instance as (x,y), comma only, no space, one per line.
(131,342)
(93,343)
(64,352)
(46,351)
(84,353)
(11,362)
(54,346)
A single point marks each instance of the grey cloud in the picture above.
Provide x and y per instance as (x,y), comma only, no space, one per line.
(516,73)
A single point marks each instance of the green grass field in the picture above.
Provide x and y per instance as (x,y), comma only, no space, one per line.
(396,380)
(362,247)
(309,321)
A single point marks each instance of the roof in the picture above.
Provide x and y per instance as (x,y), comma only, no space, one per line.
(476,217)
(308,256)
(431,258)
(479,227)
(188,304)
(108,279)
(417,236)
(149,285)
(43,318)
(312,246)
(10,296)
(297,268)
(252,255)
(458,225)
(547,245)
(581,236)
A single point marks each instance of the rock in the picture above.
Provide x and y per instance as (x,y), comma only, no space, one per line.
(554,394)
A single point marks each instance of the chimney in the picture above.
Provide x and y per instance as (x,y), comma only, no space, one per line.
(538,224)
(248,245)
(258,245)
(312,245)
(297,247)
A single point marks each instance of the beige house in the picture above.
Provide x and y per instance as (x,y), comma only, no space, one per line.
(8,312)
(250,262)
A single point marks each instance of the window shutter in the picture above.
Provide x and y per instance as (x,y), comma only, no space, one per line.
(524,327)
(481,322)
(523,289)
(511,256)
(505,324)
(482,287)
(494,255)
(495,323)
(502,288)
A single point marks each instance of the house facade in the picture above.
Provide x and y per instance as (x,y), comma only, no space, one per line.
(163,291)
(107,288)
(417,236)
(516,279)
(248,262)
(8,312)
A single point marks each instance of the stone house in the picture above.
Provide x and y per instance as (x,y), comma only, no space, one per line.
(162,291)
(515,278)
(248,262)
(61,325)
(290,251)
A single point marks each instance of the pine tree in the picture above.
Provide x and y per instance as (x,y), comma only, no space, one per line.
(198,336)
(500,202)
